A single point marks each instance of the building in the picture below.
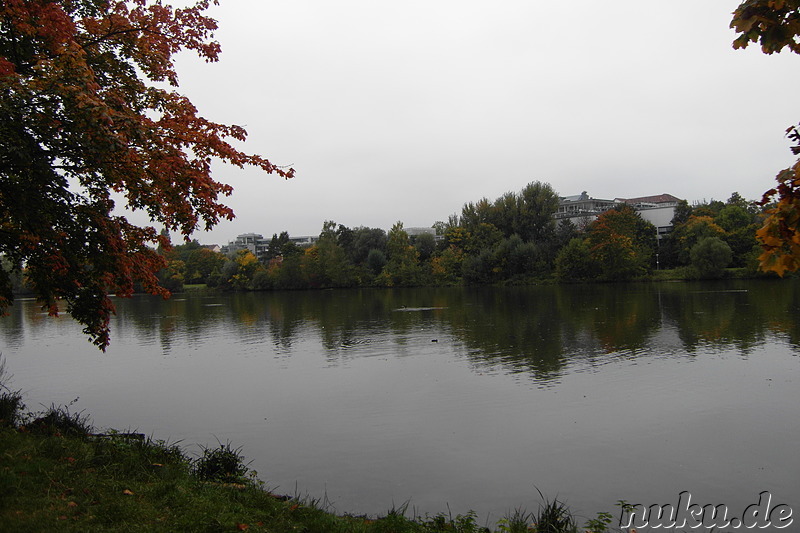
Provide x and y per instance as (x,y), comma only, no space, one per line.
(582,209)
(255,242)
(413,232)
(659,210)
(213,247)
(259,246)
(305,240)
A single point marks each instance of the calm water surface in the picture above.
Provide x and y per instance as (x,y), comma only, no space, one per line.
(459,397)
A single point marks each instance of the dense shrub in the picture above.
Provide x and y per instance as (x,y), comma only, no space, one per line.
(709,257)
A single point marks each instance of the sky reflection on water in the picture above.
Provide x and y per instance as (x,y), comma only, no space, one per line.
(471,398)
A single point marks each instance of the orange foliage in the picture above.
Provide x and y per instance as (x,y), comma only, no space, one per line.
(82,118)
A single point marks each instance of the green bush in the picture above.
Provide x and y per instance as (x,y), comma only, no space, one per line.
(574,262)
(709,257)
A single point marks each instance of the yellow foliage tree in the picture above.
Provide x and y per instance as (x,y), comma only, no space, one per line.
(775,25)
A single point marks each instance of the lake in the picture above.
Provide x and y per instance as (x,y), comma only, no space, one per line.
(459,397)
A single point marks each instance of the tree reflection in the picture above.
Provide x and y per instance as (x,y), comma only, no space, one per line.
(539,330)
(732,315)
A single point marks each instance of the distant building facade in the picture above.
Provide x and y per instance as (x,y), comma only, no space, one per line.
(416,231)
(305,240)
(254,242)
(582,209)
(659,210)
(259,246)
(413,232)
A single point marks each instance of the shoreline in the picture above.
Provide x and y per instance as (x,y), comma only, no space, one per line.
(59,474)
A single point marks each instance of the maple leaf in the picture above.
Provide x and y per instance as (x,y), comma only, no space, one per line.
(775,25)
(84,116)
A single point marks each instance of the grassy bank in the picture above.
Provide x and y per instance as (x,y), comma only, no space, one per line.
(671,274)
(58,474)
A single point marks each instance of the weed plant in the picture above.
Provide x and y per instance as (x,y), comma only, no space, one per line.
(554,516)
(223,463)
(518,521)
(11,406)
(58,420)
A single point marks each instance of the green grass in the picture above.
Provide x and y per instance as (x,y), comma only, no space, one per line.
(51,481)
(58,474)
(113,482)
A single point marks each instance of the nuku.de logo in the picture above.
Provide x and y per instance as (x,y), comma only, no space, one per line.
(692,515)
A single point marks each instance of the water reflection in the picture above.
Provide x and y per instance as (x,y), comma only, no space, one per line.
(536,330)
(382,395)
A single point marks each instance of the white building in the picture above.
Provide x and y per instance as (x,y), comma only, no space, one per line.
(305,240)
(582,209)
(416,231)
(659,210)
(255,242)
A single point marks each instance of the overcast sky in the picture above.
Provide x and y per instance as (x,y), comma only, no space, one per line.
(406,110)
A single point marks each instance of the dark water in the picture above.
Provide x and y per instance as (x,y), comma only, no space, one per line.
(459,397)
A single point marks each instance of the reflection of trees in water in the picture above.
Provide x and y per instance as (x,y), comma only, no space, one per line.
(537,330)
(13,330)
(784,320)
(615,317)
(346,319)
(517,328)
(181,320)
(738,315)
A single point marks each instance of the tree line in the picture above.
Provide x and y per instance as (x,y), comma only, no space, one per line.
(514,239)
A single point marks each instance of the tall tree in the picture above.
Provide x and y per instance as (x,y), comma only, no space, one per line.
(365,240)
(86,110)
(622,242)
(537,202)
(402,268)
(775,25)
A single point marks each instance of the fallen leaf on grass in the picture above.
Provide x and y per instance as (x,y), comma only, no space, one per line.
(127,492)
(242,527)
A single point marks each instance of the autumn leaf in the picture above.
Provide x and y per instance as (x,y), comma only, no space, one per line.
(88,123)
